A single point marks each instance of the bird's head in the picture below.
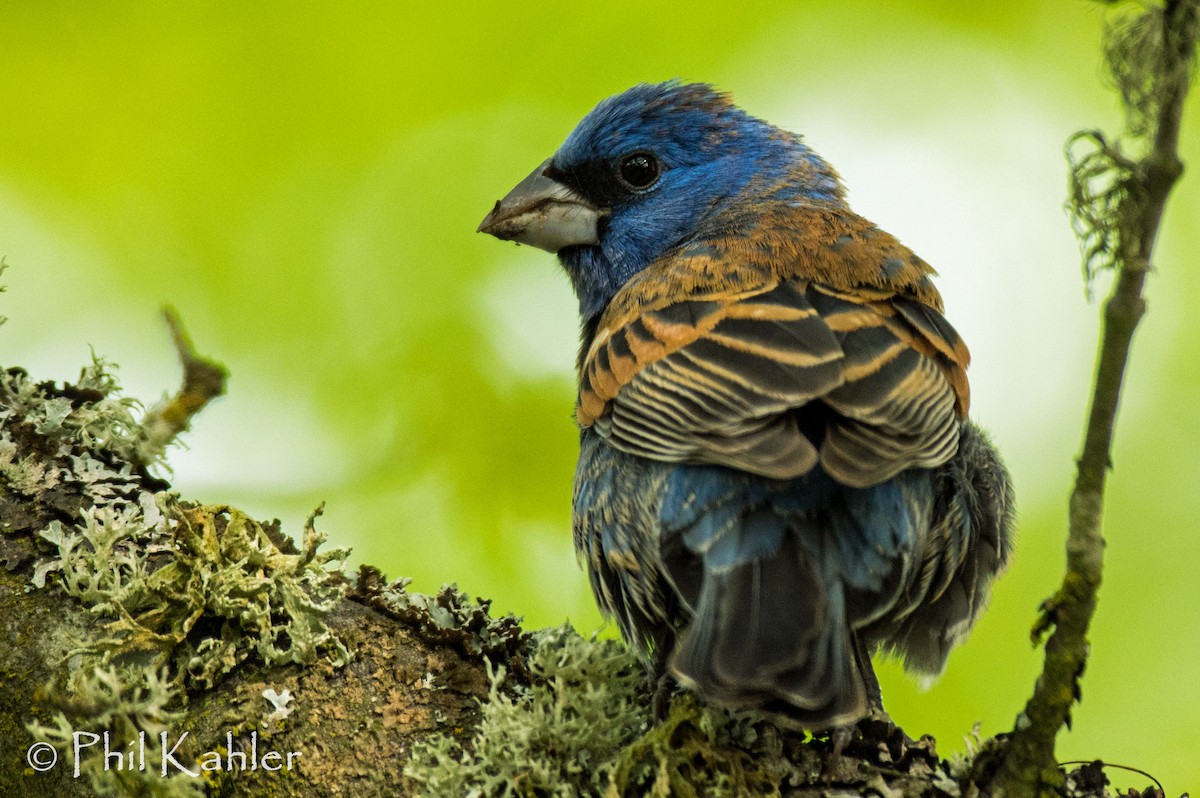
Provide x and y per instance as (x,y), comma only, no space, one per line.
(646,170)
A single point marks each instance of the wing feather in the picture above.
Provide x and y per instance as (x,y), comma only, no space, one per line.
(868,382)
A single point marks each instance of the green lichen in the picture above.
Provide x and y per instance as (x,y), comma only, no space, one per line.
(449,618)
(87,419)
(697,752)
(124,711)
(582,727)
(556,737)
(186,593)
(200,589)
(23,475)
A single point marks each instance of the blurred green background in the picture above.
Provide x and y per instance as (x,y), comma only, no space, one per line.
(303,182)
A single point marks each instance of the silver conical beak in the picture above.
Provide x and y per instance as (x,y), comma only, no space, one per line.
(543,213)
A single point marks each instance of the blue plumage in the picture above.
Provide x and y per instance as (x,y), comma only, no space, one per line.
(710,151)
(777,475)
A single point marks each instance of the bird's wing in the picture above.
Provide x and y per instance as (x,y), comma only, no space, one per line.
(772,380)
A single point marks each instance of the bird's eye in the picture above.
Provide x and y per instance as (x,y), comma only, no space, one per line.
(639,171)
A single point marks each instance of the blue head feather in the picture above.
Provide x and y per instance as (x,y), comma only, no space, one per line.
(713,155)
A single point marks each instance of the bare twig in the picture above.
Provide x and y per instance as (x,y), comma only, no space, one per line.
(203,381)
(1117,205)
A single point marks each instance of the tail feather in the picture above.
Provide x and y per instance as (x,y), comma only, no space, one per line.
(768,631)
(772,594)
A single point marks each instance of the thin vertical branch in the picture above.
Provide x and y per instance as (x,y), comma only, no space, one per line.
(1117,205)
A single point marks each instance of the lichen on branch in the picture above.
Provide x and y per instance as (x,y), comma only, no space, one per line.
(185,592)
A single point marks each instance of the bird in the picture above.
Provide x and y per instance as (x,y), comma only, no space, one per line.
(778,477)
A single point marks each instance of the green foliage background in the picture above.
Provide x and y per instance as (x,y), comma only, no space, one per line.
(302,181)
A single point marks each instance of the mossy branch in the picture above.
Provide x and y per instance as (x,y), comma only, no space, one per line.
(131,616)
(1117,205)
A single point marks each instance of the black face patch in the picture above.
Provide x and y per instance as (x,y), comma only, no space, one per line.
(600,180)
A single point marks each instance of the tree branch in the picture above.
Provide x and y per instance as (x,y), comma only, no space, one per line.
(127,613)
(1117,204)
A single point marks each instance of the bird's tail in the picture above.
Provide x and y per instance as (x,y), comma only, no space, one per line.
(769,630)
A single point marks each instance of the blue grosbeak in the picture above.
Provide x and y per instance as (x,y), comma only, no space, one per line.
(777,476)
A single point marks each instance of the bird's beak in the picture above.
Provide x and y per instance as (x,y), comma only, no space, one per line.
(543,213)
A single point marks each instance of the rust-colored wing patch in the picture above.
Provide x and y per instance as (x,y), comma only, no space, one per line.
(867,382)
